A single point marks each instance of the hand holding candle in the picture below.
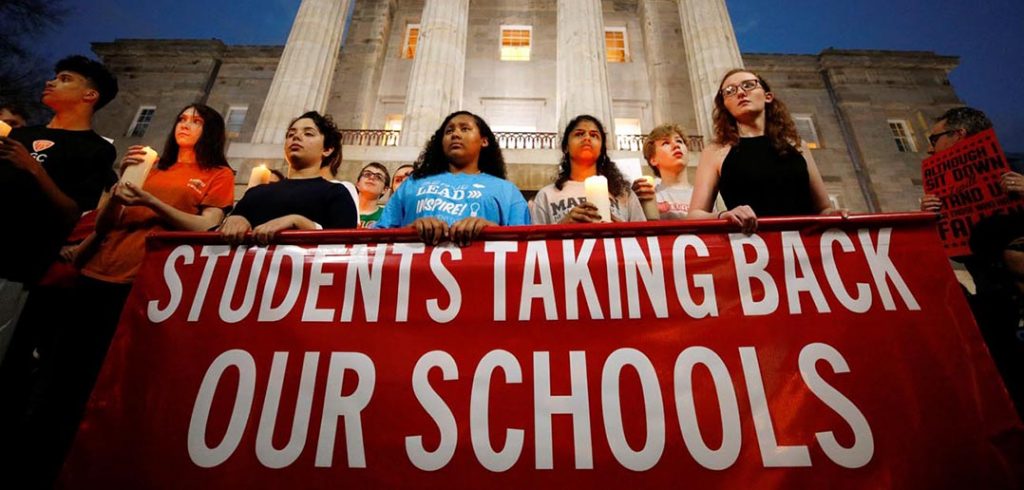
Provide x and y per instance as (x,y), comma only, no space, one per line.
(596,190)
(260,175)
(136,173)
(650,205)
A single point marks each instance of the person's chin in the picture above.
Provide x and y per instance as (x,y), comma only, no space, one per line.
(296,156)
(456,155)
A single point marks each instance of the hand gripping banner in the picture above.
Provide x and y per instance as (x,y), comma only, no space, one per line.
(818,351)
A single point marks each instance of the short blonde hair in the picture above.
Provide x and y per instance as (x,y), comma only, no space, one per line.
(660,132)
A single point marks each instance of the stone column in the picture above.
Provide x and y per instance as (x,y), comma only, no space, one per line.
(304,73)
(667,69)
(582,74)
(438,69)
(711,50)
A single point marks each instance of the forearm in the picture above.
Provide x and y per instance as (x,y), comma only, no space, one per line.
(67,207)
(177,219)
(701,214)
(106,217)
(303,223)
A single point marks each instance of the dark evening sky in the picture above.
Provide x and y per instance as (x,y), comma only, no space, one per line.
(987,35)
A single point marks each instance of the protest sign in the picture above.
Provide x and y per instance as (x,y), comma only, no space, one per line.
(966,179)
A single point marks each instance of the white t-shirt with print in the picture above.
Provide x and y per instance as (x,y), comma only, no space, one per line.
(550,205)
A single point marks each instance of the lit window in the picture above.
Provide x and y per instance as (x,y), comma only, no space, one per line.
(141,122)
(412,34)
(515,43)
(628,134)
(235,119)
(616,45)
(901,135)
(808,133)
(393,122)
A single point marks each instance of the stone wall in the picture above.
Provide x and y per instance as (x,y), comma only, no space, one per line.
(875,86)
(172,74)
(871,87)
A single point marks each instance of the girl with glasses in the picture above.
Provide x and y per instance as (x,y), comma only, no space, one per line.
(756,160)
(457,186)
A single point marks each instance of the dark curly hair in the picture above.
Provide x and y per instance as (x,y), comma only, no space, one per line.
(210,147)
(332,137)
(433,161)
(617,184)
(778,124)
(971,120)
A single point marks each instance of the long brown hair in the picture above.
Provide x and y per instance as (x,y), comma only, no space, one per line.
(210,147)
(778,124)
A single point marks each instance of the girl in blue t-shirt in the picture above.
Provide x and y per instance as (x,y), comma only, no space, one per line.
(458,186)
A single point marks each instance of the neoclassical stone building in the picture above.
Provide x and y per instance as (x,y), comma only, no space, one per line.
(390,70)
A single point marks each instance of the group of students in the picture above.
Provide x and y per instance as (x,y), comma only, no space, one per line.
(456,189)
(458,185)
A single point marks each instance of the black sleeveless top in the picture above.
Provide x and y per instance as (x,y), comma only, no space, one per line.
(755,175)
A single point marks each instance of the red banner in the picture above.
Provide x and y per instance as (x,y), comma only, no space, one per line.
(966,179)
(817,352)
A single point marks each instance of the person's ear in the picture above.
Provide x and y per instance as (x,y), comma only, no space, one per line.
(485,143)
(327,152)
(768,96)
(91,95)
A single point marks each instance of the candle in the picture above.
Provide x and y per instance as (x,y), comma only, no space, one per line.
(260,175)
(5,129)
(596,190)
(136,174)
(650,206)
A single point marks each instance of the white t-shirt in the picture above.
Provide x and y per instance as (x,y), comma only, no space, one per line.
(551,205)
(351,190)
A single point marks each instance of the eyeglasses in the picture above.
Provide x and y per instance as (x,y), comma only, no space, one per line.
(746,86)
(372,175)
(935,137)
(1015,246)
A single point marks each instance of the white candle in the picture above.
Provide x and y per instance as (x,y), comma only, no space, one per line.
(596,190)
(136,174)
(259,176)
(5,129)
(650,206)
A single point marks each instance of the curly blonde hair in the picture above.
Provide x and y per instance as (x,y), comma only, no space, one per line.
(778,124)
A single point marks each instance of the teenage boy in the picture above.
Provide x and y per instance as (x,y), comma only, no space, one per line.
(665,151)
(49,176)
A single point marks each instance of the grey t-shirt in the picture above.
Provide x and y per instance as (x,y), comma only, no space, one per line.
(674,201)
(551,205)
